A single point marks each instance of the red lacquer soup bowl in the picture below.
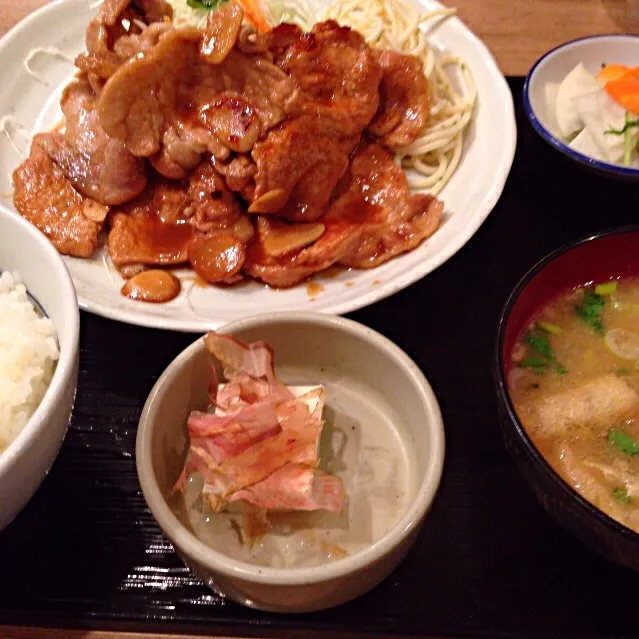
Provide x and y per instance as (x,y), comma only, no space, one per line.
(603,256)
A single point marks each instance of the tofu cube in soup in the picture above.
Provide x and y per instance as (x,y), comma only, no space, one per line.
(594,405)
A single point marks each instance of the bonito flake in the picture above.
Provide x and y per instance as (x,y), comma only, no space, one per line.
(260,447)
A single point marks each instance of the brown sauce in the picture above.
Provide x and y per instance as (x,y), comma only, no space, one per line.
(167,242)
(313,289)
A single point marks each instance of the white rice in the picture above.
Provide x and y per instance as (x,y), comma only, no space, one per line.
(28,356)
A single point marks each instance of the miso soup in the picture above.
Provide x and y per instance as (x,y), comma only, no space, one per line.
(574,383)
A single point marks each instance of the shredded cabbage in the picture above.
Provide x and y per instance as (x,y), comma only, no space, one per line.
(303,13)
(186,16)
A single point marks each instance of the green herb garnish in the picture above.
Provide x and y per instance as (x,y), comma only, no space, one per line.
(538,364)
(206,4)
(621,494)
(622,372)
(628,125)
(626,132)
(540,345)
(590,311)
(623,442)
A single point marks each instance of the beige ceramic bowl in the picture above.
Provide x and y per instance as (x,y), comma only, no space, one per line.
(375,394)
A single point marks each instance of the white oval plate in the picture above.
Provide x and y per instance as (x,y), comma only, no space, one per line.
(469,196)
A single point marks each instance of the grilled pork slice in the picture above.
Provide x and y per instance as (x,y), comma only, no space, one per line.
(288,269)
(152,229)
(337,74)
(405,100)
(298,167)
(151,10)
(171,105)
(98,166)
(372,219)
(375,197)
(300,162)
(44,196)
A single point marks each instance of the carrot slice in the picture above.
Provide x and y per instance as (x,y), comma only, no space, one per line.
(612,72)
(255,15)
(630,74)
(625,92)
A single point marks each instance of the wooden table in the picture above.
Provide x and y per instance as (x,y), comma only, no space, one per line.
(517,31)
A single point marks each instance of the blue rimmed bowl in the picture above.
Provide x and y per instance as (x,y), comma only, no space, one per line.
(554,66)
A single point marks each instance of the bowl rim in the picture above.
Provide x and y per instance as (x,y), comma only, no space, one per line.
(554,141)
(68,351)
(218,562)
(502,390)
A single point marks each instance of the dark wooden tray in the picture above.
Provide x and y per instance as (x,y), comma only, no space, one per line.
(489,562)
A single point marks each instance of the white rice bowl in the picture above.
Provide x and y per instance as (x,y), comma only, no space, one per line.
(28,356)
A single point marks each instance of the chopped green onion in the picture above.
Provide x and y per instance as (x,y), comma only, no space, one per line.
(206,4)
(621,494)
(550,328)
(623,442)
(538,364)
(608,288)
(540,344)
(590,311)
